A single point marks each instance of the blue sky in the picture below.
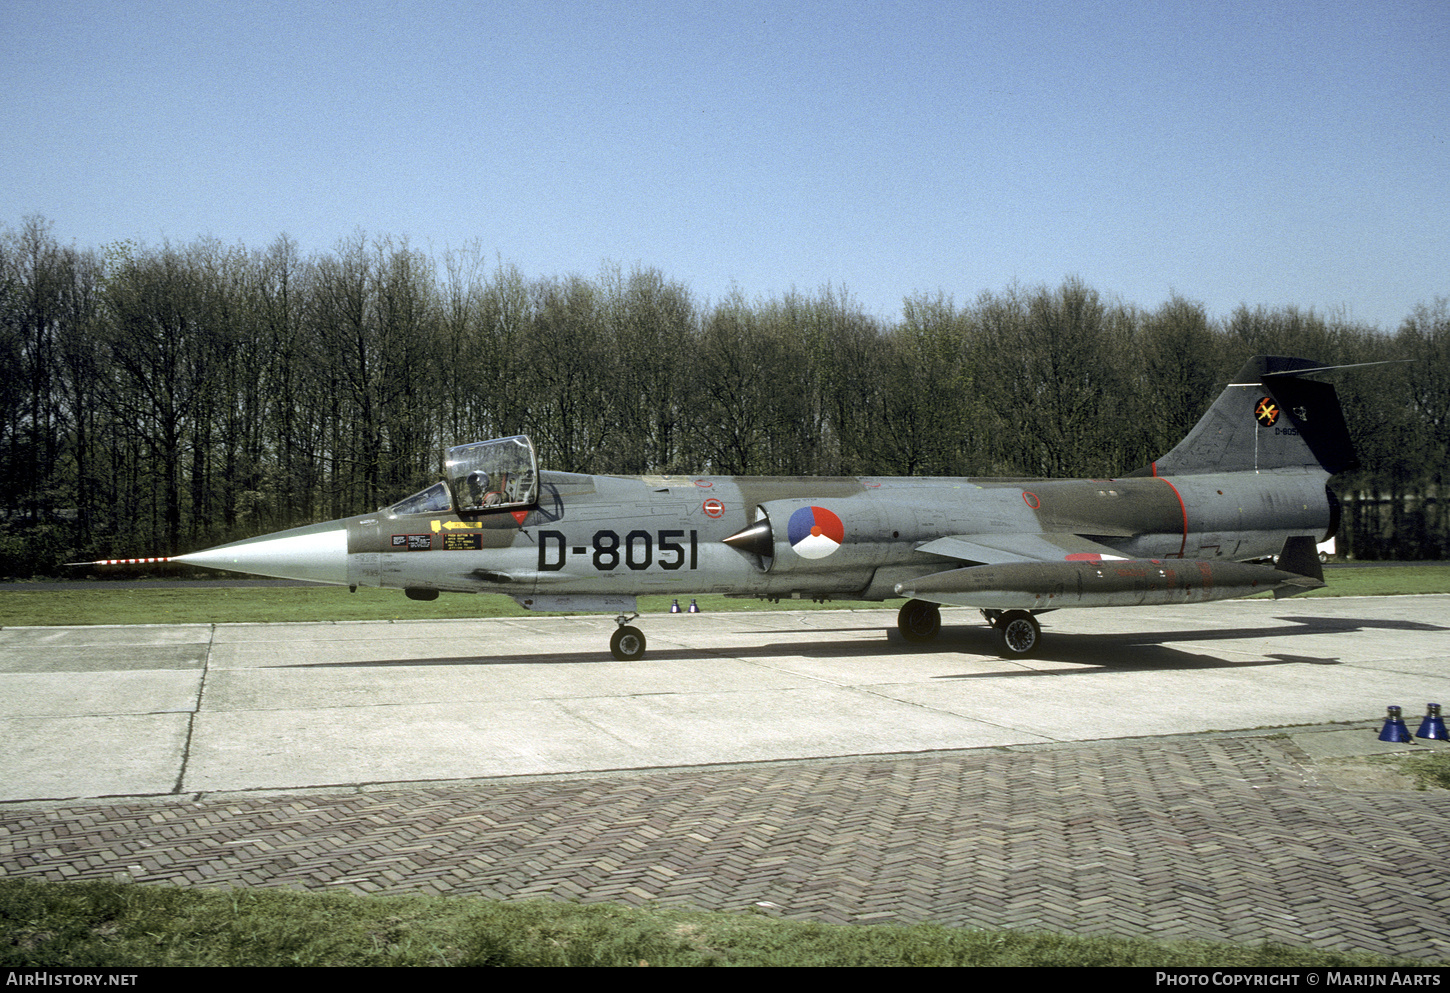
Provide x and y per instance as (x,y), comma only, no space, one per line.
(1274,153)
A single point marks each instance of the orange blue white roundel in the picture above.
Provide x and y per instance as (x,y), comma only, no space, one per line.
(815,532)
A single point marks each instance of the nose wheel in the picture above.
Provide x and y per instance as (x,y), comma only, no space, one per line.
(627,643)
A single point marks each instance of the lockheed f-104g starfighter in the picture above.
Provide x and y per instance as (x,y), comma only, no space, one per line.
(1204,522)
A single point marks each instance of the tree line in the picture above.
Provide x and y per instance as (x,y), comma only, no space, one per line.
(160,399)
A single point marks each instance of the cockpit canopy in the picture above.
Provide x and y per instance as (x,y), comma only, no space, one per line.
(491,474)
(486,475)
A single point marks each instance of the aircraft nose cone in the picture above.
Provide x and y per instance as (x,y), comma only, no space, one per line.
(315,554)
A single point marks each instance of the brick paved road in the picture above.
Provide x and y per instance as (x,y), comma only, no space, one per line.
(1226,838)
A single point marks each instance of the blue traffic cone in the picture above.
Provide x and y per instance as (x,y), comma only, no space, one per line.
(674,606)
(1433,726)
(1395,729)
(694,607)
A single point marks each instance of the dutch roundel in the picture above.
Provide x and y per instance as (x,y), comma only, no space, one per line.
(815,532)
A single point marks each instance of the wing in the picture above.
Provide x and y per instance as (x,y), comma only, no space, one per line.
(998,549)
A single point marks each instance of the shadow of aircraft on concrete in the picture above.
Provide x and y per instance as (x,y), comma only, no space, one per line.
(1154,649)
(1129,650)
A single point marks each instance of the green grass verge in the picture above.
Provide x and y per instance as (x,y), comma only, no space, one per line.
(289,604)
(118,924)
(1429,771)
(65,605)
(1371,580)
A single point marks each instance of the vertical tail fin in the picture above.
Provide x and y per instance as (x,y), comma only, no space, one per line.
(1267,418)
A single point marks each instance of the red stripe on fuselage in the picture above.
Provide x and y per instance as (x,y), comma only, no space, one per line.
(1181,506)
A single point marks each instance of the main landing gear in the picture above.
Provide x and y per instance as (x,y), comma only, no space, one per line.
(627,643)
(1018,633)
(919,621)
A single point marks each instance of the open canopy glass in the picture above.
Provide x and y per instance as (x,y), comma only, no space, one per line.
(489,475)
(486,475)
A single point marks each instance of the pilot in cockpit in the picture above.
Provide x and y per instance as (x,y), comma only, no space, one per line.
(478,488)
(482,491)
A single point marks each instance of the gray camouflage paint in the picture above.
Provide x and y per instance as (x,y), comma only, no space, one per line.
(1250,476)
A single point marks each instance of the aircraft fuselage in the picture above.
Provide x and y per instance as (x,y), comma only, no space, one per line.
(1248,482)
(634,536)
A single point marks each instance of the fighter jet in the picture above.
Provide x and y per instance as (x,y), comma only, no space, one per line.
(1204,522)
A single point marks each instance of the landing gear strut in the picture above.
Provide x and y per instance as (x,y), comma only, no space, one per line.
(627,643)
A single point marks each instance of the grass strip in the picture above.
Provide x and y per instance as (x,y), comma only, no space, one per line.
(120,924)
(223,604)
(1430,771)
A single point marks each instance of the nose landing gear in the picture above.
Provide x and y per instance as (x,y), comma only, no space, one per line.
(627,643)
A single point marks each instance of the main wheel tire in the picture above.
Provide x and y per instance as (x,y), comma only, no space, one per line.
(919,621)
(627,644)
(1019,634)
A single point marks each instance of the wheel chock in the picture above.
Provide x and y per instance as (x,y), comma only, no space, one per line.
(1433,726)
(1394,729)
